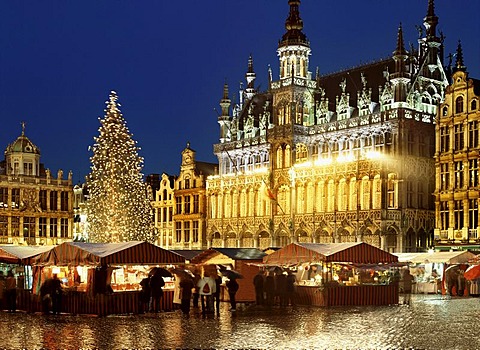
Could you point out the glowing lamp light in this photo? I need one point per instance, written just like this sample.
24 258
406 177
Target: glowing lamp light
56 270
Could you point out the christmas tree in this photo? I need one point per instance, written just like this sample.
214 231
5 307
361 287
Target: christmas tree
118 208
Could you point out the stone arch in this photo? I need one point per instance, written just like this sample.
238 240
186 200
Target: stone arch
282 236
370 237
230 239
410 241
302 236
390 244
323 236
345 236
263 239
247 240
422 239
216 239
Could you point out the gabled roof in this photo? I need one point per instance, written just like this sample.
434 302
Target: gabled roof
356 252
17 254
134 252
457 257
231 253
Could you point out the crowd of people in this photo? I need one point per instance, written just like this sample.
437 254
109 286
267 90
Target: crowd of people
274 288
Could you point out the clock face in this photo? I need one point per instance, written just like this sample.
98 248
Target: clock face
188 159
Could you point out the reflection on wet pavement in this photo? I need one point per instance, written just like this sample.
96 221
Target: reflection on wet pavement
431 322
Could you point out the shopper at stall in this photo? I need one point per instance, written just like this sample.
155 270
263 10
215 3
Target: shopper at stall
269 289
56 294
258 283
206 287
156 291
2 288
186 287
232 286
11 291
145 294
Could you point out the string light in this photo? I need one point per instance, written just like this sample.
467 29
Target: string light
118 209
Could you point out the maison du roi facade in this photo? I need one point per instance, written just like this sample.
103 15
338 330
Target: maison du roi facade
35 207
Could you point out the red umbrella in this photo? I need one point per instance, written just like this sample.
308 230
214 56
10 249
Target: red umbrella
472 273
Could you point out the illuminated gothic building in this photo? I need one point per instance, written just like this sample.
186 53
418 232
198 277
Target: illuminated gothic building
180 205
457 163
35 207
342 157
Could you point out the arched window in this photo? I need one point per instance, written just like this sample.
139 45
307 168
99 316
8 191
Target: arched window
459 105
445 111
473 106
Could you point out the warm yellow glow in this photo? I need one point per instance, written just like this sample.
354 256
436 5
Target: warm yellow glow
323 161
373 155
344 158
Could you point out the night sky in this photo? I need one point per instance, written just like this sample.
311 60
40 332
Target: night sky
168 61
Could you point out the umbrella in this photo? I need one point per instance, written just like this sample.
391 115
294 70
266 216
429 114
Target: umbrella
231 274
182 273
472 273
160 271
276 270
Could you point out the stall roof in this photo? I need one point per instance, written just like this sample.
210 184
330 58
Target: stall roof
20 254
357 252
187 254
458 257
134 252
231 253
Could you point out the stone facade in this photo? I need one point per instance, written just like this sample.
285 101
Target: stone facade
35 207
457 163
336 158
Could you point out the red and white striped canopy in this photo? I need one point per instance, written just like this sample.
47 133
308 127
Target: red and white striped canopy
19 254
357 252
135 252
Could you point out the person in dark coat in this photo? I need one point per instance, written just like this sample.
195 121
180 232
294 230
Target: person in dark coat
196 292
290 289
186 285
216 295
232 286
258 283
156 291
145 294
269 289
281 288
11 291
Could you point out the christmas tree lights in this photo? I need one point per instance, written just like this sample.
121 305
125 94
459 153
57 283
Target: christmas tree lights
118 208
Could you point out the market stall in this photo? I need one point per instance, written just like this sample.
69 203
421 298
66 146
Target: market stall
329 274
428 268
103 278
238 259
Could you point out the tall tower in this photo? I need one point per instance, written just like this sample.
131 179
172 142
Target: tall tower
224 118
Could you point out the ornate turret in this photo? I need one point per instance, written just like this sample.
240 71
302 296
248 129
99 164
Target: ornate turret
430 22
224 119
294 47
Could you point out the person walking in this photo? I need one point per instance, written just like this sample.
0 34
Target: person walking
196 290
258 283
281 288
407 286
186 287
156 291
11 291
206 288
232 286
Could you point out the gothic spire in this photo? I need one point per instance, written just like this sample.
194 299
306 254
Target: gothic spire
250 77
294 26
459 65
400 50
225 101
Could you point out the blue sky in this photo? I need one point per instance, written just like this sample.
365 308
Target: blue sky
168 60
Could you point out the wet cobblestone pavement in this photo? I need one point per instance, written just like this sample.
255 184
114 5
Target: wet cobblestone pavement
431 322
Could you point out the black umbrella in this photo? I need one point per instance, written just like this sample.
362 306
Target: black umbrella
231 274
159 271
182 273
